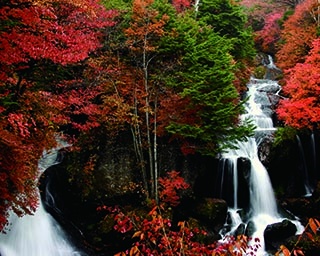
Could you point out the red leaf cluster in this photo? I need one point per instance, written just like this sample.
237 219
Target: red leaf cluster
57 30
298 32
302 107
181 5
170 186
38 40
270 34
153 233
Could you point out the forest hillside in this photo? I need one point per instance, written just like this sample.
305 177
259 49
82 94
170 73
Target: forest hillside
146 74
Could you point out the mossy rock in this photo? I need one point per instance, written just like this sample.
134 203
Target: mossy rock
260 72
212 211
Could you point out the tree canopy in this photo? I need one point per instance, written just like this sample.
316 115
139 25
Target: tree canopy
150 67
41 43
302 107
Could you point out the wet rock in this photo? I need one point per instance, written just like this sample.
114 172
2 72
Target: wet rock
212 211
275 233
304 207
244 169
240 230
264 150
250 229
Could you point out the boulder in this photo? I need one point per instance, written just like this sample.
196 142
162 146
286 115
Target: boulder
250 229
211 211
276 233
240 230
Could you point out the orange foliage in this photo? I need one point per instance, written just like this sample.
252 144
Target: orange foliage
146 28
297 35
311 230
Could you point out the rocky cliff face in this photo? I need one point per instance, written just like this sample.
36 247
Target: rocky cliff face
106 172
115 180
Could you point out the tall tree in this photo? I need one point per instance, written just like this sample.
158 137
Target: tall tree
228 19
176 75
145 30
205 82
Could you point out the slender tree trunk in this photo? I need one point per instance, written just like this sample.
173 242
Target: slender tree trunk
155 151
151 163
138 146
145 64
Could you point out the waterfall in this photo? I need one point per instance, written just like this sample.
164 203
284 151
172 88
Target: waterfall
262 199
304 167
38 234
307 165
313 154
263 208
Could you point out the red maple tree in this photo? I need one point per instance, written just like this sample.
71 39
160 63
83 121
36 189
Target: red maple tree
181 5
270 33
41 42
298 32
302 107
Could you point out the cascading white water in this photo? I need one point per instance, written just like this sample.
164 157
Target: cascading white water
263 207
38 234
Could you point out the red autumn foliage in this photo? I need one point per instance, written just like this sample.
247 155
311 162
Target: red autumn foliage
154 234
119 88
181 5
310 234
174 104
298 32
144 29
258 10
170 186
23 138
270 34
57 30
302 108
38 39
75 105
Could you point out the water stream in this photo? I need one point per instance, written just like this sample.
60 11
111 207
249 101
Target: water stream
263 208
38 234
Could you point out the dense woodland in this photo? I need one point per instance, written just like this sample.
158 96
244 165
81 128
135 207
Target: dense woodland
86 71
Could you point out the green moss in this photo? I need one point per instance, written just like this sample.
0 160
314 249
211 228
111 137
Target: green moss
259 72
